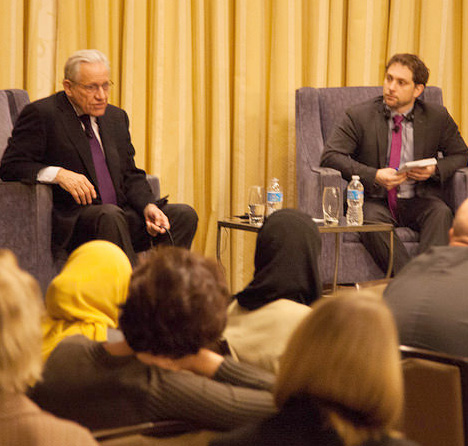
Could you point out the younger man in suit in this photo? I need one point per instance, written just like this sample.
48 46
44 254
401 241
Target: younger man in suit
378 136
81 145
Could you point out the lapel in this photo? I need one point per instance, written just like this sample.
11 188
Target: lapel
419 132
110 149
75 134
381 130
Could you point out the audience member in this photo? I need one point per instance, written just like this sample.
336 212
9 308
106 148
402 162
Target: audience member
340 380
21 421
85 297
429 297
162 370
286 281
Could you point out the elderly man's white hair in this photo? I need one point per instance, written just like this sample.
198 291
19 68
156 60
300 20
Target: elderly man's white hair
72 65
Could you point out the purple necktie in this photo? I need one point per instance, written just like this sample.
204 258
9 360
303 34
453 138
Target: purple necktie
105 185
394 162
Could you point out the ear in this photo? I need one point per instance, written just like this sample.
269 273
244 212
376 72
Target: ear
67 87
418 89
451 237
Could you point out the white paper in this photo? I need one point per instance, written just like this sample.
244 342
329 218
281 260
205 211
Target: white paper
418 163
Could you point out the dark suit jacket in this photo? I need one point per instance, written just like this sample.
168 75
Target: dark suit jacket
358 145
49 133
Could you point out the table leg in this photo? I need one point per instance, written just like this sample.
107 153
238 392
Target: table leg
337 259
218 244
390 255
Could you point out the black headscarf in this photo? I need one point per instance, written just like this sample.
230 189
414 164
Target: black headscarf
286 261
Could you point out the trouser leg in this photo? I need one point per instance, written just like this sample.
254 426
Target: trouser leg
104 222
182 218
378 243
431 217
184 221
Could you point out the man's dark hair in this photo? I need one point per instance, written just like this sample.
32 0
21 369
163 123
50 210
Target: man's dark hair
176 304
414 63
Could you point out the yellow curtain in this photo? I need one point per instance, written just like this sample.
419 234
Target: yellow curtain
209 85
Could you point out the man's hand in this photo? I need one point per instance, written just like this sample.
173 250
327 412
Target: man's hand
156 220
77 185
389 178
421 173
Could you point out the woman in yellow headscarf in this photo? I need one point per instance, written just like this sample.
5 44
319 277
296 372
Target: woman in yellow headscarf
85 297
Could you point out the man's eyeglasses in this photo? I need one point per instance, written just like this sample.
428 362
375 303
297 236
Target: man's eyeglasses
94 88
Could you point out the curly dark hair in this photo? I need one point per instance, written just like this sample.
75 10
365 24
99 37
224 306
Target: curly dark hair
414 63
176 304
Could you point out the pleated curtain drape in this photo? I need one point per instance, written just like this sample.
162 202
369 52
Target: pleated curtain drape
209 85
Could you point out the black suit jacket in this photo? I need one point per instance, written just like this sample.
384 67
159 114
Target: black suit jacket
358 145
49 133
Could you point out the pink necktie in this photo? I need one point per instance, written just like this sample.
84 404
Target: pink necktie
105 185
394 162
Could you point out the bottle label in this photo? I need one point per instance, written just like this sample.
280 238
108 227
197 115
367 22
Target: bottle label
274 197
355 194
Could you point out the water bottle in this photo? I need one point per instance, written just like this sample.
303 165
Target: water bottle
354 215
274 197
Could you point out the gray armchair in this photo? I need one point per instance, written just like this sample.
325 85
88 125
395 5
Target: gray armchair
317 111
26 210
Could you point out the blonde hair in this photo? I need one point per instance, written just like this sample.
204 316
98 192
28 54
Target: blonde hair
345 355
20 330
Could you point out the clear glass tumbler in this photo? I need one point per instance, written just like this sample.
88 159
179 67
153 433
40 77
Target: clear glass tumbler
256 205
331 205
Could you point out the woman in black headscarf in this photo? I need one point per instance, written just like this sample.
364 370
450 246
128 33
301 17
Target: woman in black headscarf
286 261
286 282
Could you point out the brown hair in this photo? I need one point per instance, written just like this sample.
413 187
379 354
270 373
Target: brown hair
176 304
414 63
345 354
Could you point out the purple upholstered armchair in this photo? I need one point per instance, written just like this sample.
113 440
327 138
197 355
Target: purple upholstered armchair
317 111
25 209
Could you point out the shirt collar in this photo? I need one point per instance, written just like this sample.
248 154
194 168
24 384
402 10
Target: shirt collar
389 114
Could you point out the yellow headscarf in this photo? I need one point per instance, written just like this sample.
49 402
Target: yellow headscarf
85 297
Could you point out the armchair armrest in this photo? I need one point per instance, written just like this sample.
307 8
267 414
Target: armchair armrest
26 227
311 185
457 192
155 186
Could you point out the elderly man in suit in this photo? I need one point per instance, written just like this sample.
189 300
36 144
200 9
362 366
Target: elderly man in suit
378 136
81 145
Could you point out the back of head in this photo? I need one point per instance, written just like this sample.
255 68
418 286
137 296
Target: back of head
415 65
92 284
176 304
286 261
459 231
345 355
85 297
72 65
20 331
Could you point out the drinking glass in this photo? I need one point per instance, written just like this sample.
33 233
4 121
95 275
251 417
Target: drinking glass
256 205
331 205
